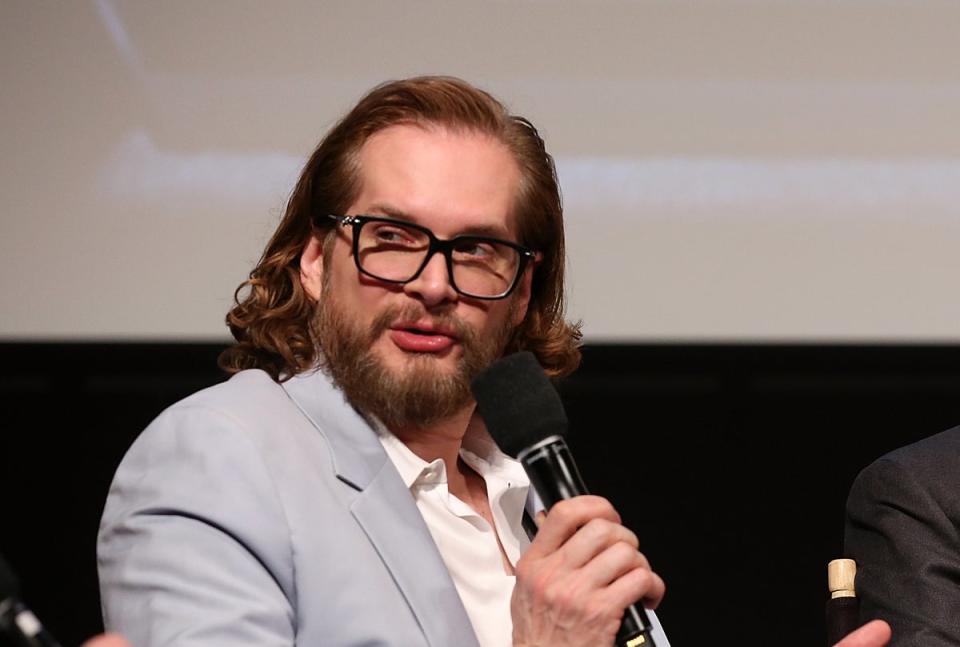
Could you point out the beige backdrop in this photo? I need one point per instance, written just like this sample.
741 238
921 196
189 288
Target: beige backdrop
770 170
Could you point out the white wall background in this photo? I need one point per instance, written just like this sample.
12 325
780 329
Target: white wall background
733 170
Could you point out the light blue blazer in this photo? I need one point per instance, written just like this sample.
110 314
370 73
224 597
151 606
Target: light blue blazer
253 513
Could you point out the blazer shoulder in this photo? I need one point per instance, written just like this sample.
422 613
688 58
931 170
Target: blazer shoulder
933 458
251 387
249 409
250 399
923 474
939 448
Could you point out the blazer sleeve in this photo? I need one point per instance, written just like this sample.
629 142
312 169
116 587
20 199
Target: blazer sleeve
193 546
902 530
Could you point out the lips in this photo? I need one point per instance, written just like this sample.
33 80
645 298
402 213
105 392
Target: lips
423 336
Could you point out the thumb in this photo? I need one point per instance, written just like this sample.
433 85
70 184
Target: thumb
873 634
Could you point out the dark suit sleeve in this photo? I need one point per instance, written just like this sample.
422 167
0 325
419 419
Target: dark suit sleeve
902 520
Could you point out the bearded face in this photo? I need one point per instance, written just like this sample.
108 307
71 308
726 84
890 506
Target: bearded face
415 395
406 352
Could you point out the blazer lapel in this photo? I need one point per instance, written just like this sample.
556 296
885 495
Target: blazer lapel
386 511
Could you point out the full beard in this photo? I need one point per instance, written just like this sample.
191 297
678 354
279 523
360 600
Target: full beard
416 395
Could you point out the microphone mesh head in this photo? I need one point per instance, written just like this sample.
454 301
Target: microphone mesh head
518 403
9 587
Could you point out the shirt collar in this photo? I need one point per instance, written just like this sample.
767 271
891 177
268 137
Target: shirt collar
478 450
412 468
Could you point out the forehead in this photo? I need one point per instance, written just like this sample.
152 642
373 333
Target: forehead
450 181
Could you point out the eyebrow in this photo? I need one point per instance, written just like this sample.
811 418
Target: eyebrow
474 230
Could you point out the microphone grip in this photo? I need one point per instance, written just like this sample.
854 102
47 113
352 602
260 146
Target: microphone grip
554 476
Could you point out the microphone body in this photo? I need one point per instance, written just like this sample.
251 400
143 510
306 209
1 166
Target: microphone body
555 477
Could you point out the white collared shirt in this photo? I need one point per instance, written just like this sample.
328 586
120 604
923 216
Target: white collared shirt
466 541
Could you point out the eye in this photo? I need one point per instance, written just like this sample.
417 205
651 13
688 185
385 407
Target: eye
470 248
393 234
478 250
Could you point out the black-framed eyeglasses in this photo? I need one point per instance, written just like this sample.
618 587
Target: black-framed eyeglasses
395 251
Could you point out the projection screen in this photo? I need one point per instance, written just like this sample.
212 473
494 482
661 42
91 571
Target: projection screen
779 170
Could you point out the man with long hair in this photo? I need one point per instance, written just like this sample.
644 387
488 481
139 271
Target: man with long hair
339 488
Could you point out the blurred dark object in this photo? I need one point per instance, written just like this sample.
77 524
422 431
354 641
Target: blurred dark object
843 607
18 625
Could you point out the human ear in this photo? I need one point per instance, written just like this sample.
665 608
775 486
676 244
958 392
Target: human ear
311 267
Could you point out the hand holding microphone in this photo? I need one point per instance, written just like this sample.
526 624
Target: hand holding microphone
580 573
579 580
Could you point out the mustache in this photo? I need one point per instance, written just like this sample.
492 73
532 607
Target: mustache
416 312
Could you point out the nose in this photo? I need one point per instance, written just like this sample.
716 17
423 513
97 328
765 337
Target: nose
432 285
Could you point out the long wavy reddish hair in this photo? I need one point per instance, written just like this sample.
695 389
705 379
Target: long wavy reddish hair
271 317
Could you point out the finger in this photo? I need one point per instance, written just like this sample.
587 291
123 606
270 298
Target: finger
593 539
872 634
565 518
613 563
639 585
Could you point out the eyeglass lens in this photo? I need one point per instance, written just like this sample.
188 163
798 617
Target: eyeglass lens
393 252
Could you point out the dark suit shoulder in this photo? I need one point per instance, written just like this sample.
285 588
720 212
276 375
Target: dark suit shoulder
939 450
903 515
928 468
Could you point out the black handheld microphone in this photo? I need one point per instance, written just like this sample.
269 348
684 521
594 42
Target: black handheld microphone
524 415
16 620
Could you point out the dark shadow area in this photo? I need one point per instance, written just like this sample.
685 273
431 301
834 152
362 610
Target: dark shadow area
732 463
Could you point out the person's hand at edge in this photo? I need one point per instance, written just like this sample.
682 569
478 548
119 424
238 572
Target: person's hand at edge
873 634
107 640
